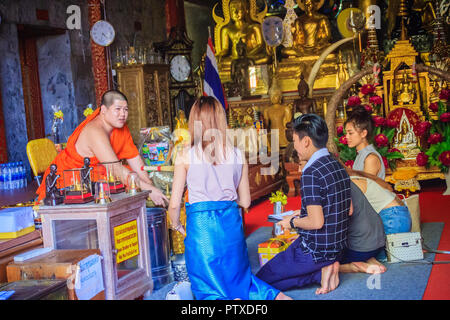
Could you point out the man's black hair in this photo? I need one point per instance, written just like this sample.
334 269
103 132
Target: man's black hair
111 95
313 126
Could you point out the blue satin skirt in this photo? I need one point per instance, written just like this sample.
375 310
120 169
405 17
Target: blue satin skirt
216 254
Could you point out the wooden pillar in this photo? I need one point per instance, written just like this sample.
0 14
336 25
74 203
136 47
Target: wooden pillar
174 15
3 147
99 62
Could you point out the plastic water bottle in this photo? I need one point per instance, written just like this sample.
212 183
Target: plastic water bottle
4 177
15 176
1 177
23 175
8 176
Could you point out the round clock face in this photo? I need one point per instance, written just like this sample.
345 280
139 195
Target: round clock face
103 33
180 68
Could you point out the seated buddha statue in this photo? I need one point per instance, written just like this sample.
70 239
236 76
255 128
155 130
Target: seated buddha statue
239 71
241 27
311 31
277 115
406 140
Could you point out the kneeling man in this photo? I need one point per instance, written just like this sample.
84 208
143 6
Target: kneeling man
323 218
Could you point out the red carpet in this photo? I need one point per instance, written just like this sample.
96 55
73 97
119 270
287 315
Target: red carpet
434 207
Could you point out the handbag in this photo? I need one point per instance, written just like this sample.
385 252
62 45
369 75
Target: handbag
404 246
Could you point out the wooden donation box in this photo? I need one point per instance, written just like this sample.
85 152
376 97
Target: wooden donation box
118 229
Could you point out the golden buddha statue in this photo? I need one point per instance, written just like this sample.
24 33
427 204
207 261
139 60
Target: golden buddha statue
406 140
311 31
243 26
406 92
277 115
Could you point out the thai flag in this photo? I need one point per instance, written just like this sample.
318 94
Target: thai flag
211 84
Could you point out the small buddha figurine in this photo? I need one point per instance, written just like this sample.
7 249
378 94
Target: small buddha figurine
405 93
53 197
405 139
303 104
239 71
311 31
241 27
277 115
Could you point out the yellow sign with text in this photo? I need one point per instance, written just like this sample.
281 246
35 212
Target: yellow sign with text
126 241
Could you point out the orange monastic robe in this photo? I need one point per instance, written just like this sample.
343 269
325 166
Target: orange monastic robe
121 142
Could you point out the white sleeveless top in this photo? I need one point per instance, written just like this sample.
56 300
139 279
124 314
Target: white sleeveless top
208 182
377 196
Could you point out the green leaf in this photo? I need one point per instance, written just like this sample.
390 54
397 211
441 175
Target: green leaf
390 134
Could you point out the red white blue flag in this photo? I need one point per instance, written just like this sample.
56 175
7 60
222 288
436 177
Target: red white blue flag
212 86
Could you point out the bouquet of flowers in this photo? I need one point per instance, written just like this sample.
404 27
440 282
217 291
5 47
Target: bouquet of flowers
88 111
279 196
438 132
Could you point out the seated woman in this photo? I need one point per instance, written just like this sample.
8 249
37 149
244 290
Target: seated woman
359 129
394 214
366 238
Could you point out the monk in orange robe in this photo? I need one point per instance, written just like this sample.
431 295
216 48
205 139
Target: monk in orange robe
104 137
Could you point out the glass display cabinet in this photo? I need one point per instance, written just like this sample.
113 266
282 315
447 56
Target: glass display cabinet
108 171
118 228
77 186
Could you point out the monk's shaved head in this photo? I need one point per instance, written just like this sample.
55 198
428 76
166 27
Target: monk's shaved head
110 96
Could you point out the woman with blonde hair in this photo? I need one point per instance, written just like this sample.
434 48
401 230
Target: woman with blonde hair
217 181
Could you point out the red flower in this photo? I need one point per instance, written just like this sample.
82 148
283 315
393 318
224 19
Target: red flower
444 157
445 117
368 108
423 127
393 150
434 107
340 130
445 94
376 100
435 138
367 89
349 163
421 159
379 121
343 140
353 101
392 123
381 140
385 161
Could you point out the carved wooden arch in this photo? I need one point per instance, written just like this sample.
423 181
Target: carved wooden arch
330 117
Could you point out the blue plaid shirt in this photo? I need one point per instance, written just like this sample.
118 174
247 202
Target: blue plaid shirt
325 182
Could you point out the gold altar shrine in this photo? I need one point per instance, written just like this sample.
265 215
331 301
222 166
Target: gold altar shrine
407 94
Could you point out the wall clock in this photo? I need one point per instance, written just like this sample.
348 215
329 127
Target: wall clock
180 68
102 33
